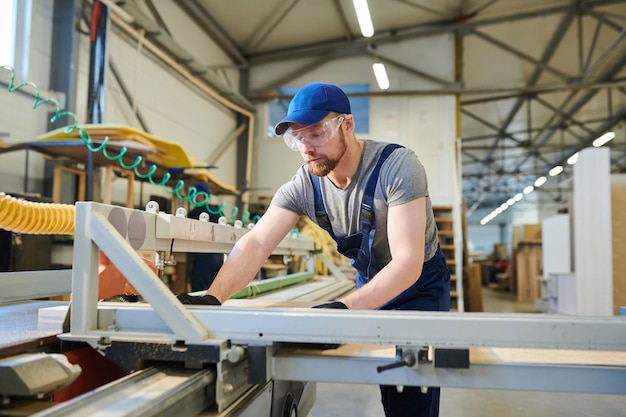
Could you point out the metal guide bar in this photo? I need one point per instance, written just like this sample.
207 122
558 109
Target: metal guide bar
518 376
416 328
400 328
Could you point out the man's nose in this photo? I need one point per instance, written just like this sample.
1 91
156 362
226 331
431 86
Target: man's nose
306 146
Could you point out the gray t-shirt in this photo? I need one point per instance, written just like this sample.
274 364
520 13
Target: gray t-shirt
402 179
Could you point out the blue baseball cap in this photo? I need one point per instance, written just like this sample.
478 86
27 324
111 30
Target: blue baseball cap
312 103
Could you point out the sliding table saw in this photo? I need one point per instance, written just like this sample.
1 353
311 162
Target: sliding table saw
259 357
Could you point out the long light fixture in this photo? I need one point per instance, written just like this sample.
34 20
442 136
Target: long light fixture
572 159
608 136
540 181
365 19
381 75
555 171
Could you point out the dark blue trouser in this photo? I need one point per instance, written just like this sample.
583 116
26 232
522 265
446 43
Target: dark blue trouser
410 402
430 293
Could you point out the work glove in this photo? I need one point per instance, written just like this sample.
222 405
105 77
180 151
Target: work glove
203 300
333 304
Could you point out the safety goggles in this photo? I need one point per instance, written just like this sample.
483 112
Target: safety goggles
314 135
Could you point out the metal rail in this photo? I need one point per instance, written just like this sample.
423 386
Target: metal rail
153 391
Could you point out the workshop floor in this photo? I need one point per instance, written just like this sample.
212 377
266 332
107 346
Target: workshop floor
345 400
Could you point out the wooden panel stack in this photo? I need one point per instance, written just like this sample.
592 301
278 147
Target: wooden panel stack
445 225
472 288
618 218
529 266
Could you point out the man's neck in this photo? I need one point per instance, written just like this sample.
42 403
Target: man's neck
345 170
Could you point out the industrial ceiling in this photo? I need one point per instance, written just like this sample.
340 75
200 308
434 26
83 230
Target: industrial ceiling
537 80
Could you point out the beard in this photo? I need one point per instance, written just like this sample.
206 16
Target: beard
325 164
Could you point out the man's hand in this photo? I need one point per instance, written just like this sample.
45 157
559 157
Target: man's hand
205 300
333 304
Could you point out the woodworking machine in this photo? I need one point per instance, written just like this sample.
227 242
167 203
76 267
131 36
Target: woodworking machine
247 358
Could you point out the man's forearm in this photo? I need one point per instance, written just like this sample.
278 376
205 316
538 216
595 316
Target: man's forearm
241 266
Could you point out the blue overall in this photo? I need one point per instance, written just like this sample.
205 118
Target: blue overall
431 292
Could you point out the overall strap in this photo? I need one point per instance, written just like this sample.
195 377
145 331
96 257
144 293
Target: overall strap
367 214
320 210
368 227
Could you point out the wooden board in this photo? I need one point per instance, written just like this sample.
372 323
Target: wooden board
160 152
547 356
170 154
485 356
528 264
618 215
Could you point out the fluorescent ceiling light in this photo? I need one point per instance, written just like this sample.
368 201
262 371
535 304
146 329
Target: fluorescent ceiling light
540 181
572 159
518 196
381 75
510 201
555 171
504 206
364 18
608 136
529 189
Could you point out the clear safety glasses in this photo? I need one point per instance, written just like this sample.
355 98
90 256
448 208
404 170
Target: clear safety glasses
314 135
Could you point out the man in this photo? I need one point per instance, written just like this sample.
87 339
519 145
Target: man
392 239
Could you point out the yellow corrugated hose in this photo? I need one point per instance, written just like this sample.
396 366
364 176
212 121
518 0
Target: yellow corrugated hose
22 216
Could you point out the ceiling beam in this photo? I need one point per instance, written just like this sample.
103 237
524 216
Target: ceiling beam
450 25
270 23
205 21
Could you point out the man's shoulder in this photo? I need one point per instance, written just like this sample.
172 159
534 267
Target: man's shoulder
372 150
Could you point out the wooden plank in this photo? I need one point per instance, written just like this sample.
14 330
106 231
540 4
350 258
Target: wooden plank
484 355
474 289
618 217
522 276
546 356
528 264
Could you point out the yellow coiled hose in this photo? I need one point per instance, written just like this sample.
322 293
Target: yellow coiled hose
22 216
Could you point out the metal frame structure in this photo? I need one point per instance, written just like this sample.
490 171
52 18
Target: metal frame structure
28 285
120 232
265 338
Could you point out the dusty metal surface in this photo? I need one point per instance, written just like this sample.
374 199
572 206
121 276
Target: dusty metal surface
19 324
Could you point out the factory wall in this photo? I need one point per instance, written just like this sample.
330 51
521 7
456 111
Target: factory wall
173 110
17 116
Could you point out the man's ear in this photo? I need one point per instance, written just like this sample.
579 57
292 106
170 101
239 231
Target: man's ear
348 123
